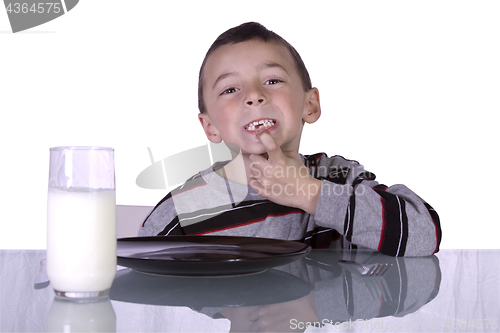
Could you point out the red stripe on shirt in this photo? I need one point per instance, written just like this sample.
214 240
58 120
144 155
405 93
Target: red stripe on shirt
384 217
188 189
384 222
246 223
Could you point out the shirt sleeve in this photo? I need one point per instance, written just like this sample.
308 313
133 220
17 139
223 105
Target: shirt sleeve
162 220
391 219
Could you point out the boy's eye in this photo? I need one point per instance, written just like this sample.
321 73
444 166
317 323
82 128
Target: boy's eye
273 81
230 91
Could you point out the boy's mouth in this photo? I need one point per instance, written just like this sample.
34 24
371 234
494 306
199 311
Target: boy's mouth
260 125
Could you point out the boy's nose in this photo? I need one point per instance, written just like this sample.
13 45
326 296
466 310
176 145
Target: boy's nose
255 95
255 98
258 101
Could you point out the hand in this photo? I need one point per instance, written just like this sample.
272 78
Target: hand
283 178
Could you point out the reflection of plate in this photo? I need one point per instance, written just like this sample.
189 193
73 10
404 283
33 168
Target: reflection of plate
269 287
206 255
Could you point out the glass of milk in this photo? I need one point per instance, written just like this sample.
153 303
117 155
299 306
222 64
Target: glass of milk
81 221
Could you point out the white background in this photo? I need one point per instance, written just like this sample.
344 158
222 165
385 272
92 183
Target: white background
408 88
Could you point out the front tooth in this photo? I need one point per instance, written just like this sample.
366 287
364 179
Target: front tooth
255 123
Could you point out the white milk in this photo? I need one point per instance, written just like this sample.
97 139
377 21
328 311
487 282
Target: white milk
81 240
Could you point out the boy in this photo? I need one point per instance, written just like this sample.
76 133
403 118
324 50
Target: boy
255 94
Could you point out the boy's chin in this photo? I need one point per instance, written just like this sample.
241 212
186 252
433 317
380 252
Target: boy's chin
249 150
235 150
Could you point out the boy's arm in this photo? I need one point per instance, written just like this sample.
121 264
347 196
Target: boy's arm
392 220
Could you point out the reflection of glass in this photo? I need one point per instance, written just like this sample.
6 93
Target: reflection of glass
81 316
81 221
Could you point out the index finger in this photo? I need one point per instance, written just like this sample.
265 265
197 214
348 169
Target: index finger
272 148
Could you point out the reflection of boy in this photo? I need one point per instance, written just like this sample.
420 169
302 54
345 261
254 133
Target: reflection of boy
255 95
341 297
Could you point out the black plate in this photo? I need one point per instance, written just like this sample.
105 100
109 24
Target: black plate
206 255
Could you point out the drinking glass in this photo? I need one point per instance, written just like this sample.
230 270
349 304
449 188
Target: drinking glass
81 221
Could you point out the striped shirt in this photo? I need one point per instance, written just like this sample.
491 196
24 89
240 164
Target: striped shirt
352 208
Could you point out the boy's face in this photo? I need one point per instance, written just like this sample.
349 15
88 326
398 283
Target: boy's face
250 82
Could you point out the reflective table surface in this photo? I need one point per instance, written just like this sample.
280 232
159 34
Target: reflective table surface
453 291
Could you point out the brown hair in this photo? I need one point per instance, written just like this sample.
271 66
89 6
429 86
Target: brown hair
245 32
